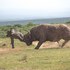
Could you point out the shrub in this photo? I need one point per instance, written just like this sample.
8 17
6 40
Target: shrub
17 25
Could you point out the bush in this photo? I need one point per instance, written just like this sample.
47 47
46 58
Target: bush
68 22
2 34
17 25
30 24
23 28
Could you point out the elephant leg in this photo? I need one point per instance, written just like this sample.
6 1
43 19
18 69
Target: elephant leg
64 43
12 42
38 45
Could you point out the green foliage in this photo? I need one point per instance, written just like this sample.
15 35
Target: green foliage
30 24
27 58
68 22
2 34
23 28
17 25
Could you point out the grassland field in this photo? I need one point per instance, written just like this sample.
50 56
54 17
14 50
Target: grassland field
49 57
24 57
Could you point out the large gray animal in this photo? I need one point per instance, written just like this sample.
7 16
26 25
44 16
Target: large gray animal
14 34
44 33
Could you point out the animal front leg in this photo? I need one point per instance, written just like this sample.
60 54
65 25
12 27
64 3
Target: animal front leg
12 42
38 45
64 43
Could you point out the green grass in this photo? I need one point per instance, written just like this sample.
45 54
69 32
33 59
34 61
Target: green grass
27 58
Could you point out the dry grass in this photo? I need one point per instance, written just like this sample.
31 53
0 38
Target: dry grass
27 58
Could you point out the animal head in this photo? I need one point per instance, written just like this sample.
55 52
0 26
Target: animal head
10 32
27 39
15 34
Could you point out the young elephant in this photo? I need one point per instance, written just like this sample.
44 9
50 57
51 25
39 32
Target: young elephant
14 34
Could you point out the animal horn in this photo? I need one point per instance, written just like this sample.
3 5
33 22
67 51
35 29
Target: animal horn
13 31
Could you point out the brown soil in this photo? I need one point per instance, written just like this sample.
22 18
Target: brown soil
7 50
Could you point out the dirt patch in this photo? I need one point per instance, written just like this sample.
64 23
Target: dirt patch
7 50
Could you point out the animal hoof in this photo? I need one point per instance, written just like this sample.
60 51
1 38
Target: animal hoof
36 48
12 47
